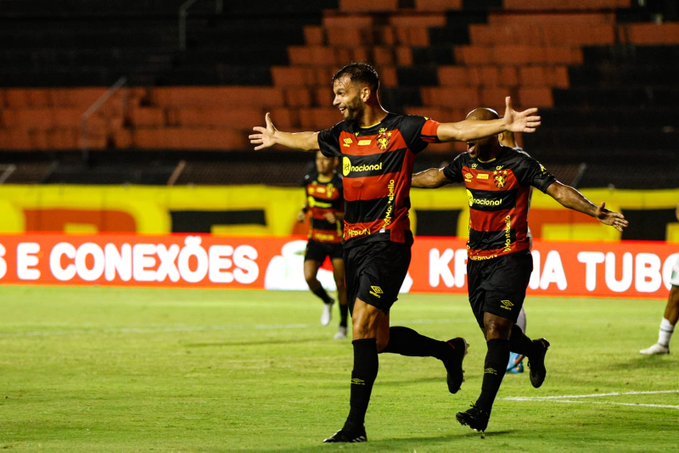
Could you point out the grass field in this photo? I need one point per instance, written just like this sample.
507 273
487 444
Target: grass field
95 369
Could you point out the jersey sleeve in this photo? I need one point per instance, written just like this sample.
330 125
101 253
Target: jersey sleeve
533 173
453 171
328 141
419 131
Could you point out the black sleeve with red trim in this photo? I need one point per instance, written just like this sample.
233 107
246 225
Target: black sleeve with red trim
418 132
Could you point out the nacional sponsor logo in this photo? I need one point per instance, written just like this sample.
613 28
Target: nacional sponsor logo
481 201
482 176
364 142
348 168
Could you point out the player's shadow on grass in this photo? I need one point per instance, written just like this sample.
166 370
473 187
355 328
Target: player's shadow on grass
408 443
645 363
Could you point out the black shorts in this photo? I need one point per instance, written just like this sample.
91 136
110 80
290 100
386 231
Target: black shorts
318 251
498 285
375 272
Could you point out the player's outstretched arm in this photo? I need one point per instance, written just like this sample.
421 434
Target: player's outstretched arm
268 136
572 199
525 121
429 179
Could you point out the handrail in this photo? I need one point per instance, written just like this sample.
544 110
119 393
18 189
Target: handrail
91 110
182 14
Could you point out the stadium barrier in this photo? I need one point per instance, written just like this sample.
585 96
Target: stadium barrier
626 269
258 210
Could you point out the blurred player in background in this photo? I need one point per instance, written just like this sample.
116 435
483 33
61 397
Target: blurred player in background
325 208
498 181
670 317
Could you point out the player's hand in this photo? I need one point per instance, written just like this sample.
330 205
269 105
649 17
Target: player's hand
614 219
524 121
330 217
301 216
264 136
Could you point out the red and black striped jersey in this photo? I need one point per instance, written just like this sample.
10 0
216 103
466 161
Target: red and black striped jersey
498 192
321 199
377 163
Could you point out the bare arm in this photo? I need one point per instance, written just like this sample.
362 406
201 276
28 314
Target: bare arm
572 199
268 136
513 121
429 179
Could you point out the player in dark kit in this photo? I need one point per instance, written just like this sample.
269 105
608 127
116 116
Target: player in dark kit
498 181
377 150
325 208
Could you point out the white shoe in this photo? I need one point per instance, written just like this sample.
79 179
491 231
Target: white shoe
341 333
326 316
656 349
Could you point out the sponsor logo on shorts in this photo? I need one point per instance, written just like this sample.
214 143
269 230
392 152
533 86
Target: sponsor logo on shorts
507 304
376 291
357 232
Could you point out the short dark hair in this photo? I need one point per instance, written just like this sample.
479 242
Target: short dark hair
360 72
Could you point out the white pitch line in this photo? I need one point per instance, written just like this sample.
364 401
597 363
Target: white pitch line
611 403
591 395
579 399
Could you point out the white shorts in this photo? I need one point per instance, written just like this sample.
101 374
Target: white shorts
674 279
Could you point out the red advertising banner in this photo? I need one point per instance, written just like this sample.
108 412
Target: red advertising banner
629 269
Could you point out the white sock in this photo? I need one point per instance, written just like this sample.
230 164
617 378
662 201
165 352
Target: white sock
665 333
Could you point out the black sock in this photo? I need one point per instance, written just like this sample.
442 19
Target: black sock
344 314
322 294
363 377
519 342
406 341
494 370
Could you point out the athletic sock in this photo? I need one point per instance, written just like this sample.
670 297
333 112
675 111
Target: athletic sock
406 341
363 377
494 370
519 342
665 332
344 314
322 294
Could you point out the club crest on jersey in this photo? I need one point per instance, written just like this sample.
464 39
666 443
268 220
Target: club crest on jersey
500 178
383 138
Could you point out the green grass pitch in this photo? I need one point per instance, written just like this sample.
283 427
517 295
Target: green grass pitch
100 369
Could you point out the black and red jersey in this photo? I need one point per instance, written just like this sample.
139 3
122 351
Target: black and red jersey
377 164
324 197
498 192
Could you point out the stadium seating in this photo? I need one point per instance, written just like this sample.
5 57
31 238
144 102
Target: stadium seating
602 71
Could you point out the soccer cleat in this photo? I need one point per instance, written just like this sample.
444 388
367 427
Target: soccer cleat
515 365
453 363
656 349
341 333
536 362
326 316
474 417
346 436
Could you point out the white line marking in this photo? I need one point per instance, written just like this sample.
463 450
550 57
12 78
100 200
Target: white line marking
579 399
591 395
